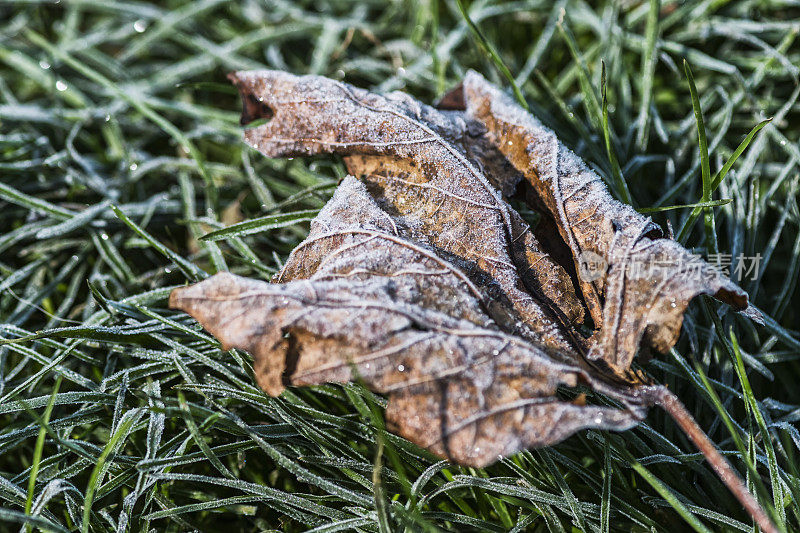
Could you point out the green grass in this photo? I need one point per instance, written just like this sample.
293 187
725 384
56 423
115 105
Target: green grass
120 150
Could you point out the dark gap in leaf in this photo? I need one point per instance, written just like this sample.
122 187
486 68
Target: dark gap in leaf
254 109
453 100
292 356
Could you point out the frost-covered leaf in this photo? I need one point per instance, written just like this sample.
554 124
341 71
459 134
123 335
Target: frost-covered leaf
419 278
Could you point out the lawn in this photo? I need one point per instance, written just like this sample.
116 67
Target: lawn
120 147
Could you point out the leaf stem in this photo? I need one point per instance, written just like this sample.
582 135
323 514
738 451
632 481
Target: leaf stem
662 397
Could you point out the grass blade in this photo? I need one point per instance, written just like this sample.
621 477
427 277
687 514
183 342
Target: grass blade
648 69
687 225
487 47
37 453
257 225
698 206
766 437
190 270
705 167
619 181
669 496
117 438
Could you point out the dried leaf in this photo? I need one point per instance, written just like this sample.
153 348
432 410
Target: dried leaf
420 279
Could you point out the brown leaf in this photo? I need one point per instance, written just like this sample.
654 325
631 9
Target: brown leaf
420 279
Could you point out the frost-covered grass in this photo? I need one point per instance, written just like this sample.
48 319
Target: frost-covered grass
120 147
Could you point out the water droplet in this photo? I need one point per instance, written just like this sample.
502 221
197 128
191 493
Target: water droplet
401 71
598 419
673 304
134 166
44 64
366 366
104 236
783 142
168 270
107 118
140 26
401 368
61 86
